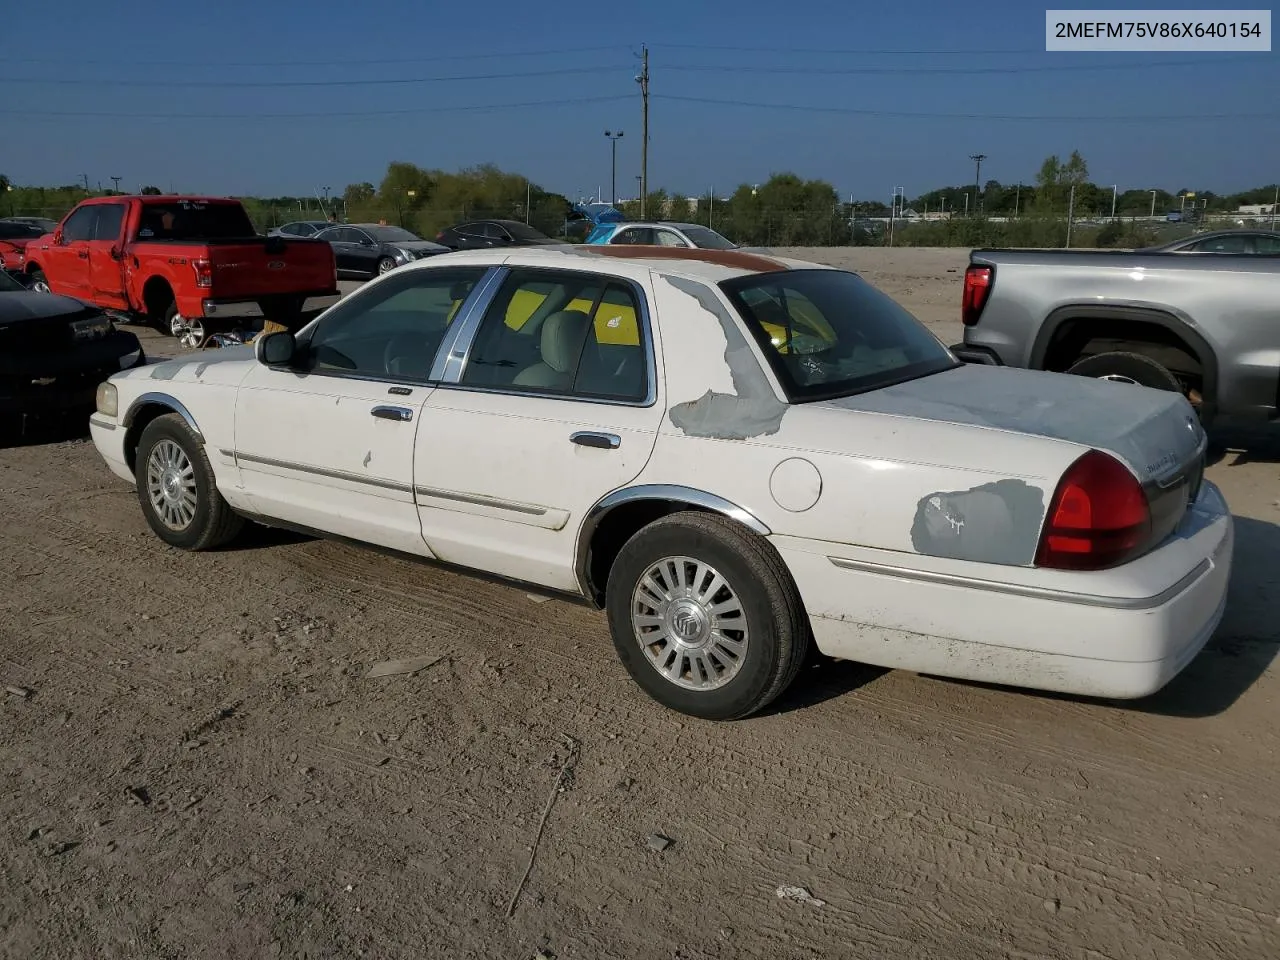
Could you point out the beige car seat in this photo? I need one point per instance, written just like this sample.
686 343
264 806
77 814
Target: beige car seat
563 335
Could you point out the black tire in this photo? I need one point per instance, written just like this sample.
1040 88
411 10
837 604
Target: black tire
1140 369
778 630
212 522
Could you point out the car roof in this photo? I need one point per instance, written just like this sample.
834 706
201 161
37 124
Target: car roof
678 224
632 261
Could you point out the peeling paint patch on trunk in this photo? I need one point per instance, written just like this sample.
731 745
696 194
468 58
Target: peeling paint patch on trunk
753 409
993 523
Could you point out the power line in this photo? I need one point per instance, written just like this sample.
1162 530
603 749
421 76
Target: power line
248 84
321 115
858 71
323 60
912 115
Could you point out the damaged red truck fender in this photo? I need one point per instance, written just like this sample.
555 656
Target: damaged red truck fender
183 264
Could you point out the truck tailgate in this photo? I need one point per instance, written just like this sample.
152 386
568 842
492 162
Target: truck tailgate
270 266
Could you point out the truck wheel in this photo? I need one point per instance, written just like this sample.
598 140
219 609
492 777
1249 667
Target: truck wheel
177 490
188 331
39 282
705 616
1127 368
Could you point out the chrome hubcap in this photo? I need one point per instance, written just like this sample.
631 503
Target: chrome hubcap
190 333
171 485
689 623
386 266
1116 378
41 286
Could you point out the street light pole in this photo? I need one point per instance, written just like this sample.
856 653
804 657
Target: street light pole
613 174
1153 204
1113 201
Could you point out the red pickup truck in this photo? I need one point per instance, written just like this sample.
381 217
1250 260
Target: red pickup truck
184 264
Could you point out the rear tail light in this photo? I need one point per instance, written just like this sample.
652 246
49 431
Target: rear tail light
1099 516
204 272
977 286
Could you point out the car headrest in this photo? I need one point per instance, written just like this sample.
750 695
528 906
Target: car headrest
562 336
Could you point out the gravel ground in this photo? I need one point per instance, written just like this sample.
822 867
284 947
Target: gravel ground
196 764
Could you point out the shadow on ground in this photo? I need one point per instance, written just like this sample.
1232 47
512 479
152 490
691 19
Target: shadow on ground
1241 650
1236 446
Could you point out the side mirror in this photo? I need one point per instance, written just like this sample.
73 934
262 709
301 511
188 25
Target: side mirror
117 253
275 349
366 242
57 236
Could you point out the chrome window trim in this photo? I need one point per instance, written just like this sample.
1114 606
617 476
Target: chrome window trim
320 471
448 361
651 491
460 351
164 400
1023 590
305 335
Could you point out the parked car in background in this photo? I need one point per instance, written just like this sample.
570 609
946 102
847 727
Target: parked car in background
44 224
1202 326
1260 242
54 351
14 237
363 250
661 234
734 455
300 228
184 264
486 234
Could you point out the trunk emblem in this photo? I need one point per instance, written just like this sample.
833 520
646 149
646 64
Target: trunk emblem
275 265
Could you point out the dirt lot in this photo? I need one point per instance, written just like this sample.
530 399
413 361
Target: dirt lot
202 768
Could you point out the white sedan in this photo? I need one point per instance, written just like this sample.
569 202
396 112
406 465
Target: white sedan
735 456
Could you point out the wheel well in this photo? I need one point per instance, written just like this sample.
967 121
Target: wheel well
133 434
32 266
1077 338
156 297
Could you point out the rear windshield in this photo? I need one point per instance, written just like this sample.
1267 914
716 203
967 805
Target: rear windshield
194 220
708 239
828 333
392 234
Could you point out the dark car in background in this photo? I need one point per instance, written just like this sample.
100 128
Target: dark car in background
54 351
44 224
365 250
485 234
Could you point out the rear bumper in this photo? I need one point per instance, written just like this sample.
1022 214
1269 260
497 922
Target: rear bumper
252 309
970 353
1122 647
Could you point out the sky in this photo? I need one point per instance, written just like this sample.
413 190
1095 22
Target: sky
291 96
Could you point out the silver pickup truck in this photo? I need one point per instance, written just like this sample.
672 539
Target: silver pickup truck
1207 325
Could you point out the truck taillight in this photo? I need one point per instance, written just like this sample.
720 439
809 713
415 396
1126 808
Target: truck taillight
1099 516
204 272
977 286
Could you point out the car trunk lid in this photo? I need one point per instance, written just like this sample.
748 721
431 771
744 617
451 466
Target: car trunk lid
1154 432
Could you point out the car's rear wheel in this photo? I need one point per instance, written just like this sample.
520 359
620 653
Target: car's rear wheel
188 331
177 490
705 616
39 282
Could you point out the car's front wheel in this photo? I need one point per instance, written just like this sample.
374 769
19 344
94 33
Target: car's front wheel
705 616
386 265
177 490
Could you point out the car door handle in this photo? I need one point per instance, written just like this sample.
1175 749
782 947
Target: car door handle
402 414
588 438
82 254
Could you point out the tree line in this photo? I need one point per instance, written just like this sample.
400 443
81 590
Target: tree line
785 210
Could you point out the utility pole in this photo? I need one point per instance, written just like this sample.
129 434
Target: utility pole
1017 199
1071 212
116 183
977 158
85 177
1274 200
1113 200
1153 204
643 80
528 198
613 170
